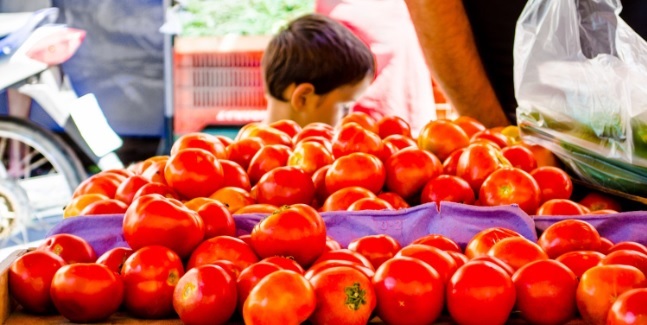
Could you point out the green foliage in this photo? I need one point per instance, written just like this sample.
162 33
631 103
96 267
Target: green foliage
241 17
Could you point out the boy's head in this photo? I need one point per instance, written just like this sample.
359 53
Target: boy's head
312 67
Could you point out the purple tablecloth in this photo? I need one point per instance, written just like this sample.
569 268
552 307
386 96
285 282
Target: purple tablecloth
457 221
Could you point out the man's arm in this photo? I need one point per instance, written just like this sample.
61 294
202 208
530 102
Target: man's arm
446 39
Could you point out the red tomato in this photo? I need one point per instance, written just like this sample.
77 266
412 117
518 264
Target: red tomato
316 268
267 158
393 125
193 173
438 241
356 169
395 200
150 275
325 142
246 130
234 198
388 150
297 231
580 261
229 267
155 220
409 170
626 257
447 188
30 277
247 239
546 292
476 163
331 244
459 258
509 185
354 138
282 297
601 285
271 136
376 248
520 157
154 173
342 199
257 208
72 248
234 175
342 283
107 206
285 263
127 189
200 140
597 201
78 203
242 151
517 252
629 308
442 137
370 204
503 265
361 118
481 243
605 246
450 164
156 188
315 130
629 245
569 235
289 127
345 255
400 141
469 124
205 295
285 186
223 248
102 183
226 141
560 207
490 135
408 291
319 181
480 293
554 183
310 156
250 277
86 292
217 220
438 259
115 258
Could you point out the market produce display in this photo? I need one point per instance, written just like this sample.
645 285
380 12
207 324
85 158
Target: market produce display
186 256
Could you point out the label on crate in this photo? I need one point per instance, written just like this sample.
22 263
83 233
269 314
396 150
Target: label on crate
238 115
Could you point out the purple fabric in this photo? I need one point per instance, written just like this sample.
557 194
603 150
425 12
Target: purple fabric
457 221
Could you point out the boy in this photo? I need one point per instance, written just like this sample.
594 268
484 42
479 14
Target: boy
312 68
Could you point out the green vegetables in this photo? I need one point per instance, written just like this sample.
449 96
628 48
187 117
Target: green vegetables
240 17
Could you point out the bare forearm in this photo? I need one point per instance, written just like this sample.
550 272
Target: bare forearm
446 38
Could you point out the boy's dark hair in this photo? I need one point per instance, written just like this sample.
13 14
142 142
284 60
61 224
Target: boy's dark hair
317 50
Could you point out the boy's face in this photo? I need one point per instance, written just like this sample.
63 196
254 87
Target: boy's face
330 107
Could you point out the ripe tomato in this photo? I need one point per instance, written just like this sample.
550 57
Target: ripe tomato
30 277
393 125
629 245
352 137
257 208
400 141
150 275
102 183
408 291
560 207
370 204
72 248
223 248
271 136
194 173
86 292
459 258
205 295
409 170
517 252
319 181
601 285
447 188
310 156
438 241
154 171
289 127
314 130
250 277
569 235
332 244
626 257
156 188
342 283
438 259
356 169
395 200
316 268
200 140
297 231
442 137
476 163
342 199
234 198
509 185
361 118
580 261
229 267
520 157
503 265
285 263
234 175
127 189
285 186
376 248
242 151
480 293
325 142
266 159
629 308
217 220
115 258
469 124
282 297
554 183
490 135
345 255
107 206
546 292
226 141
481 243
450 164
155 220
597 201
78 203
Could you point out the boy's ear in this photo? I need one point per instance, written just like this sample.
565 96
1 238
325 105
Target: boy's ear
303 97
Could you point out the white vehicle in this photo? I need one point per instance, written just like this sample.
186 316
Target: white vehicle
38 169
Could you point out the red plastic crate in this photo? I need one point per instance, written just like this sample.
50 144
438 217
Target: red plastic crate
217 81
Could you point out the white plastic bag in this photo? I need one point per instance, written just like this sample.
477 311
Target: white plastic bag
580 78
